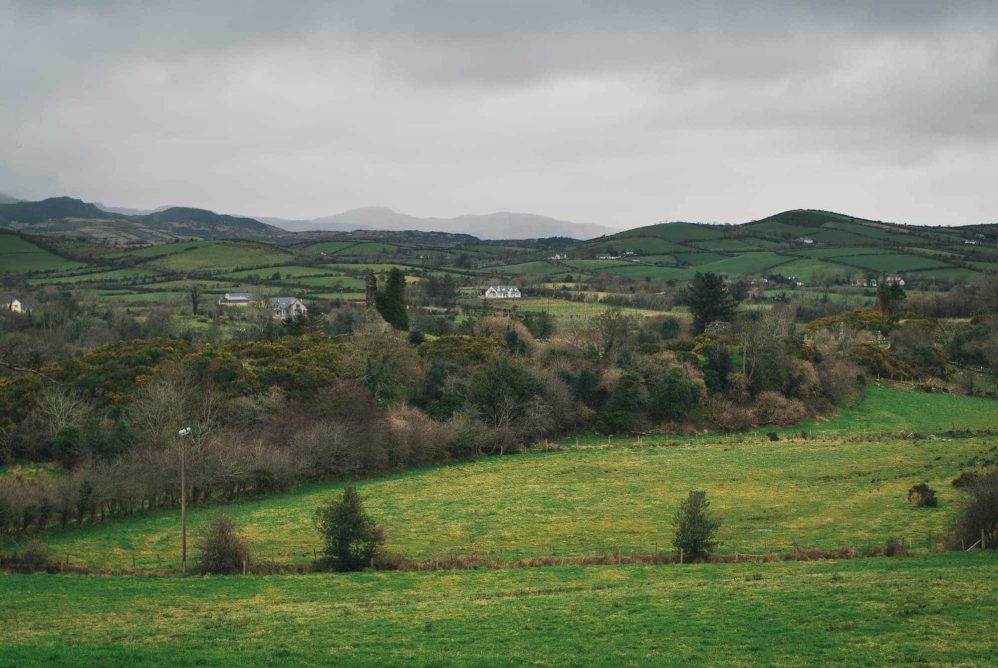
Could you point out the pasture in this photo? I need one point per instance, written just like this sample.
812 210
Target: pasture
620 493
929 609
19 256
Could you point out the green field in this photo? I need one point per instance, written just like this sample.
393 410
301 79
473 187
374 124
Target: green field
653 273
222 255
887 262
19 256
889 409
807 269
621 493
926 609
673 232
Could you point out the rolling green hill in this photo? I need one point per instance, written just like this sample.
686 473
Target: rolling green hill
804 244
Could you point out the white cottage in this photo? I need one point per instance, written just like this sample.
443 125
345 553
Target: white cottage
286 307
502 292
15 305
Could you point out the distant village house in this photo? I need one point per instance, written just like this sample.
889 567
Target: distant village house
239 299
15 305
502 292
286 307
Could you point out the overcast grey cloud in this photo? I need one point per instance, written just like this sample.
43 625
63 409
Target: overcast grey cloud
620 113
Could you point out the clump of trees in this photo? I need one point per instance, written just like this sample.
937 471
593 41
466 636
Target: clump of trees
695 527
351 538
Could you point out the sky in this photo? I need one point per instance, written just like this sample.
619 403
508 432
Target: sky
622 113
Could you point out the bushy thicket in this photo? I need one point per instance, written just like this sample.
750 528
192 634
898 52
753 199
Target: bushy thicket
220 548
299 405
978 517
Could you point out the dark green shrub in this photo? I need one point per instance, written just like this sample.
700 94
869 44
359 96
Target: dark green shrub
351 539
923 496
695 527
622 411
33 557
673 397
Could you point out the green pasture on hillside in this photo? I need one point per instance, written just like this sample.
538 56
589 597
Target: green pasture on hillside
223 255
746 263
19 256
807 269
673 232
888 262
699 257
935 609
737 244
886 409
650 272
606 495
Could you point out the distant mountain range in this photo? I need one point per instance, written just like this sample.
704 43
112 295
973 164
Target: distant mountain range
68 216
501 225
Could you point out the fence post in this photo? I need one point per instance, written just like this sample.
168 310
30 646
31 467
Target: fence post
680 555
244 567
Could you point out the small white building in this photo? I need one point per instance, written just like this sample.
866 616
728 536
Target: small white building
502 292
559 256
15 305
239 299
286 307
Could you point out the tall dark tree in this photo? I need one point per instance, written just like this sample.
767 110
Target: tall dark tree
889 298
695 527
622 411
709 301
350 537
391 300
195 298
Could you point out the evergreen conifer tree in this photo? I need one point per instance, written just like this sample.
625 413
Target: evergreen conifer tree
391 301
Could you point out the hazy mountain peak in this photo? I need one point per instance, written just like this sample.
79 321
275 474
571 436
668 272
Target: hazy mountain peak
498 225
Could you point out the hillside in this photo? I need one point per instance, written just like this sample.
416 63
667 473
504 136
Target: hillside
501 225
801 245
7 199
67 216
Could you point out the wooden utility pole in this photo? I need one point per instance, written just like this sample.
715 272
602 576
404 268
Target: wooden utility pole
183 497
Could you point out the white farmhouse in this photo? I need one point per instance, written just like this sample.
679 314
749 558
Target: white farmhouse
15 305
286 307
502 292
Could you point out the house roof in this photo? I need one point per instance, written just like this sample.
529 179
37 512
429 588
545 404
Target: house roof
283 302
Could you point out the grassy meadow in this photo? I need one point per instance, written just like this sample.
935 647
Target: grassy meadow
827 491
928 609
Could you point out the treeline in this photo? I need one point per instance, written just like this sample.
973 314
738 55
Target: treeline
350 395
